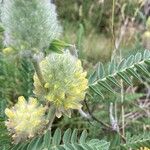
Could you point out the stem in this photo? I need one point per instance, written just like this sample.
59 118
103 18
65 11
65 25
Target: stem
122 109
38 70
51 116
52 111
94 118
112 22
122 101
116 48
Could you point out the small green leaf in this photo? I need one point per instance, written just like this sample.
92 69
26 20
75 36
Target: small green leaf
56 137
24 146
106 86
112 67
133 73
113 80
93 77
83 137
138 57
124 77
67 136
77 146
86 146
146 54
147 62
74 138
134 96
47 139
95 89
100 71
17 146
68 146
33 144
122 65
130 61
58 46
142 69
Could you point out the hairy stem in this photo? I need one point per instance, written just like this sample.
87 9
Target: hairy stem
38 70
51 116
52 110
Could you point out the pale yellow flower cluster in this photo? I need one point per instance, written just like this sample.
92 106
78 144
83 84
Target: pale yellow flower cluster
25 119
65 82
64 88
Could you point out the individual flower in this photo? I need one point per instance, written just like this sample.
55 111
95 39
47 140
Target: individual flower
65 82
8 51
25 119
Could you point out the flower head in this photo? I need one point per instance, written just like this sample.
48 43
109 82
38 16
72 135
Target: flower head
25 119
29 24
65 82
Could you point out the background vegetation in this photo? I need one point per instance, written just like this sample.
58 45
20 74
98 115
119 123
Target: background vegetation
95 26
103 31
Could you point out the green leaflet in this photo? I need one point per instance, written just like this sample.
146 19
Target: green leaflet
137 141
58 46
135 66
68 141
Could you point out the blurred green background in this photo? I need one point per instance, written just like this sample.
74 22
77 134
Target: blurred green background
88 24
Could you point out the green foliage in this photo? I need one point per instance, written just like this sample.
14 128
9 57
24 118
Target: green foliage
131 97
1 1
1 37
33 25
96 14
29 24
80 40
67 141
134 65
137 141
58 46
16 78
5 140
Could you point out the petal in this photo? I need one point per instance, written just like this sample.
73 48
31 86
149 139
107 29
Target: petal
9 113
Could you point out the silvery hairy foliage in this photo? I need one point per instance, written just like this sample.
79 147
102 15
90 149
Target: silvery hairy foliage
29 24
1 1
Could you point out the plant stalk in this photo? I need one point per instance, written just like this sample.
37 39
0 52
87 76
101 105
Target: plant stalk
122 109
51 116
38 70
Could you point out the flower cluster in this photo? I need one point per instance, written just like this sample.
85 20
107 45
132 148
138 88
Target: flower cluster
32 26
65 82
25 119
29 25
